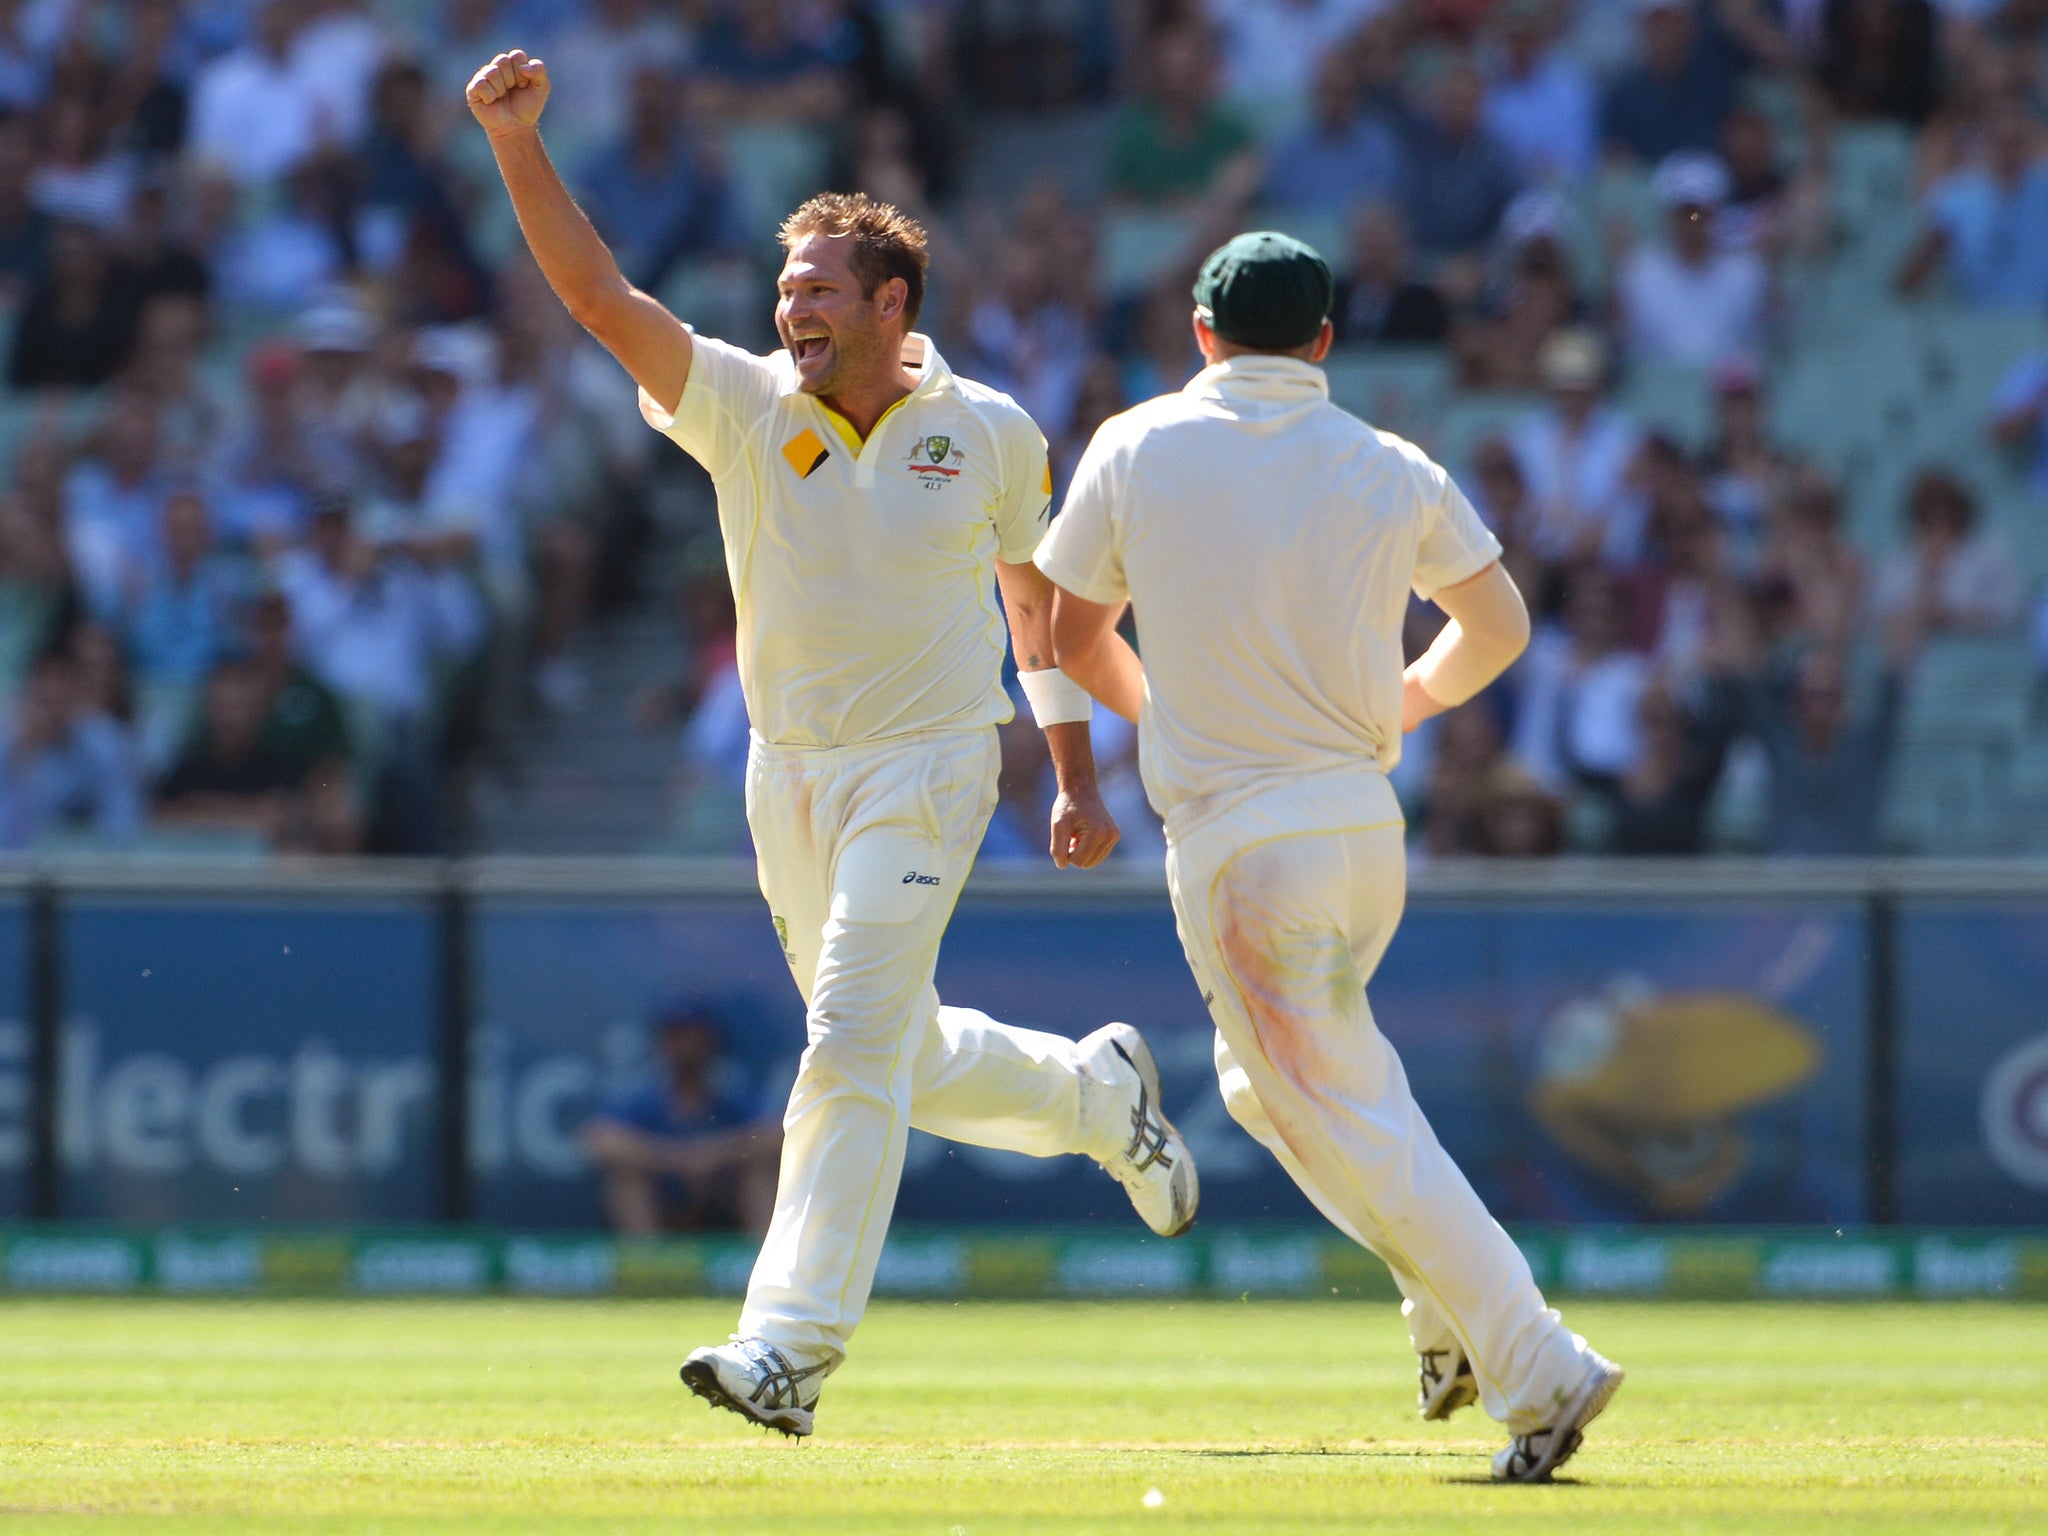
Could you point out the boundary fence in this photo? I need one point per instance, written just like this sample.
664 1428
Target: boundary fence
1907 919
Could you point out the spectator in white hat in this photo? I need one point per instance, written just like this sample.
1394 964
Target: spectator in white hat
336 397
1688 301
1574 454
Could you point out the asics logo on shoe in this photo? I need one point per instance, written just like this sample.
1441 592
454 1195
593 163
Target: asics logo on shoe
1151 1161
914 878
1446 1382
757 1381
780 1382
1148 1131
1432 1373
1533 1457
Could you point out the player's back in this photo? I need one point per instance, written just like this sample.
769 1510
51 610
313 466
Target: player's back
1269 541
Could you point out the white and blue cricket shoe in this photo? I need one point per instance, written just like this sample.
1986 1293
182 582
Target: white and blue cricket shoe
1153 1164
757 1381
1445 1382
1533 1457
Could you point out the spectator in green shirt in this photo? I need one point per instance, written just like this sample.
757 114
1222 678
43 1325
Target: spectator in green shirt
1174 141
302 720
303 724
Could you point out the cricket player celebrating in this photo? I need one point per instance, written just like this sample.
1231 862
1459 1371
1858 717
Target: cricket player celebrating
1267 542
865 494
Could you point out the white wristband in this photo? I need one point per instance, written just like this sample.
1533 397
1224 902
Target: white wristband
1055 698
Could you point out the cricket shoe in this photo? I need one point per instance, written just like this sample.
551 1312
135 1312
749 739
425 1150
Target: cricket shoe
1533 1457
1446 1382
1154 1165
757 1381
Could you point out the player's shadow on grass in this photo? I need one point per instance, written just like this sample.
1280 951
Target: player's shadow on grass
1382 1453
1360 1453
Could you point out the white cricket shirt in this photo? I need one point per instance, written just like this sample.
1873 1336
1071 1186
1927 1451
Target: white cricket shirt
863 573
1267 541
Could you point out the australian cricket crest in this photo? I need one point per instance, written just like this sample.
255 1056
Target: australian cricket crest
935 459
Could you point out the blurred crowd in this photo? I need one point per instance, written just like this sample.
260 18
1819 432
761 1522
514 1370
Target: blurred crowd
310 492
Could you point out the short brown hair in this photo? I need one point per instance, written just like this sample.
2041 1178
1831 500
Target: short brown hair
887 242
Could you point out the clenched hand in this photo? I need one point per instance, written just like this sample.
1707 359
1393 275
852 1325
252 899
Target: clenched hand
1083 831
509 92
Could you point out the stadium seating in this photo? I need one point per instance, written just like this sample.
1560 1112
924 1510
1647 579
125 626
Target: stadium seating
2026 809
1139 245
784 164
1969 691
1964 726
1469 420
1677 402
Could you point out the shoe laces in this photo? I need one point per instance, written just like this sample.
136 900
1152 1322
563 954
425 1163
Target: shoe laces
777 1378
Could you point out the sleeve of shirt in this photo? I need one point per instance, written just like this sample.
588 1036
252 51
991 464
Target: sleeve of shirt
1455 545
1079 552
729 390
1025 506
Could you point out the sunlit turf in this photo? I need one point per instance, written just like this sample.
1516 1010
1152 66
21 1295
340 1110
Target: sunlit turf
986 1418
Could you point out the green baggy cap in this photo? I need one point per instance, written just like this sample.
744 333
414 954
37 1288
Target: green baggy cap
1265 290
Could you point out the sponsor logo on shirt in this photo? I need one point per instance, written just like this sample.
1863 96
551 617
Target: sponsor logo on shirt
805 453
914 878
935 460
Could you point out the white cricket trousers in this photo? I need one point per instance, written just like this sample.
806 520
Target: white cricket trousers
1285 904
862 852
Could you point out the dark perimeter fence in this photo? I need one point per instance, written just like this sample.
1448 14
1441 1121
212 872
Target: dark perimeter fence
1727 1078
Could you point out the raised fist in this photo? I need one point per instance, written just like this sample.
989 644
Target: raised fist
508 92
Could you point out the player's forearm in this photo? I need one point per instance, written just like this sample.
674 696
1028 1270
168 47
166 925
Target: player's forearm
1110 670
1488 629
1073 756
650 343
1460 665
576 263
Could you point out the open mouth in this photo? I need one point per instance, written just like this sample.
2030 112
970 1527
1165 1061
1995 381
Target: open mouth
809 349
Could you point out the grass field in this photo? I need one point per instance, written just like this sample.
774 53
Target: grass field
986 1418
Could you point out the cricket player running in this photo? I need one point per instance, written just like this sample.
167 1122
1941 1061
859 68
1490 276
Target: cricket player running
1266 542
865 493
